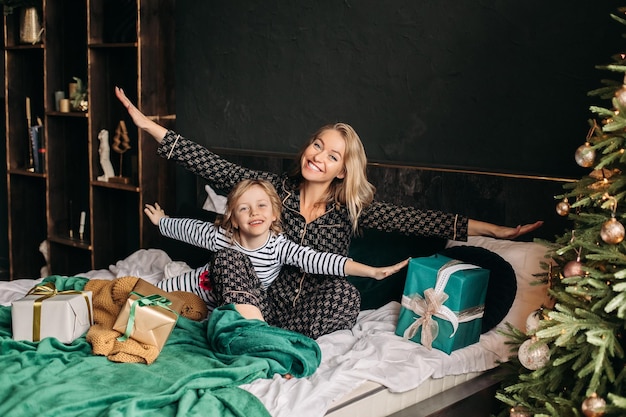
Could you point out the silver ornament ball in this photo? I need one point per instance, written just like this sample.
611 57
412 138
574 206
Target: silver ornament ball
532 322
533 355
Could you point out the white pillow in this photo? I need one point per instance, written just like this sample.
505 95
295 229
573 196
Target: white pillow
214 202
525 258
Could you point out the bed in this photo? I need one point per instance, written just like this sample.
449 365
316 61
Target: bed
366 370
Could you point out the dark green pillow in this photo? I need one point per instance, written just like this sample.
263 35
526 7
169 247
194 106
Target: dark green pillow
378 248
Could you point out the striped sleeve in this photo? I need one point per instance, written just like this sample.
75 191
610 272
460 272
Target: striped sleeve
194 232
310 260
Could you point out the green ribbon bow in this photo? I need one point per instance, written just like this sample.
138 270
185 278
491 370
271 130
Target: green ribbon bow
143 301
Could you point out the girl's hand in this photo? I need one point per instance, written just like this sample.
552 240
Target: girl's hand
154 213
383 272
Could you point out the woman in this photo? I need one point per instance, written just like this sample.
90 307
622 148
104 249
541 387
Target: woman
325 201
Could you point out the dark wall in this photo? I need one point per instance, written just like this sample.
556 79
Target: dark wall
482 84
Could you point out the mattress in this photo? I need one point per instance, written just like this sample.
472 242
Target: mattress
374 400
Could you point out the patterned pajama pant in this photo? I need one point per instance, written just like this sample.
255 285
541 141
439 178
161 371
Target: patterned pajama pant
313 305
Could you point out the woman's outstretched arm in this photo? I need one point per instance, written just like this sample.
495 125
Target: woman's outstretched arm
141 121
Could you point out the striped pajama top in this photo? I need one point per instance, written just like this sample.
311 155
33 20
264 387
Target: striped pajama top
267 260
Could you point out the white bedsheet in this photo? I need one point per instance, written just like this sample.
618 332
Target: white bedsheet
371 351
368 351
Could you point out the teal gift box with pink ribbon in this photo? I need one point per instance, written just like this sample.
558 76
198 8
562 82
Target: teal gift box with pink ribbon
443 303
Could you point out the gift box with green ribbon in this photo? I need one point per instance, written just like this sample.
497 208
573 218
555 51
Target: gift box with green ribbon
442 303
47 312
147 319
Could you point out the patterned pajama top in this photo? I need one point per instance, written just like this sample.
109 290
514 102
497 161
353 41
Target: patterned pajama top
308 303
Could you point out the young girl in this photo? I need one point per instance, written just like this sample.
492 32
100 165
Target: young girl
325 200
250 225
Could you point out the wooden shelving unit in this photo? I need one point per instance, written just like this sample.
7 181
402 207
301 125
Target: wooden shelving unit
105 43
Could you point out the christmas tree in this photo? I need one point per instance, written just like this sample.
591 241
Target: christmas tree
571 358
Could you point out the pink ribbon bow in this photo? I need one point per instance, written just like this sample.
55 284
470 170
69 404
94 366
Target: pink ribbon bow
431 305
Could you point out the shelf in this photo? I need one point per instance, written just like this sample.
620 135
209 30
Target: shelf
113 45
104 43
75 243
24 47
78 114
116 186
26 173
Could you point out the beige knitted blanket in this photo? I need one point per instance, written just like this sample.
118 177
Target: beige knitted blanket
108 298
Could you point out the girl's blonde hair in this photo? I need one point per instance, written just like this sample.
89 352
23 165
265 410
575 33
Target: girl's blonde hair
226 220
354 190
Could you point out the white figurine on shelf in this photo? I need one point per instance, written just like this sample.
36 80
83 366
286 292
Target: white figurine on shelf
105 156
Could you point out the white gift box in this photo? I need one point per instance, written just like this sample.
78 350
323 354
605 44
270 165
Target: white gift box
65 316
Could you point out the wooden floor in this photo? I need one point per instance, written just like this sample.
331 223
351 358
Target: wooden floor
475 398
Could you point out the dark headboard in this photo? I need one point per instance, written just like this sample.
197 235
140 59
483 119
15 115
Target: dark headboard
493 197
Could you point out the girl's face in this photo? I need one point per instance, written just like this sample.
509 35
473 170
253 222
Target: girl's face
253 214
323 160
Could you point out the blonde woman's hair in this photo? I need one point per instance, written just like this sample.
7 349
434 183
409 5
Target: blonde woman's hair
226 220
354 190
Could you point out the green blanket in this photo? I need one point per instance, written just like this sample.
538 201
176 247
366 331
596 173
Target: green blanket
196 374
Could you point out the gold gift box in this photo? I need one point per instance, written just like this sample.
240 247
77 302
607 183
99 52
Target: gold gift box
144 287
153 323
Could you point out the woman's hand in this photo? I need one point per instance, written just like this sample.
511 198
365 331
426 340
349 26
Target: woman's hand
154 213
478 228
139 119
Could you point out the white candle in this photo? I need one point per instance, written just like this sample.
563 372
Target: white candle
81 226
28 110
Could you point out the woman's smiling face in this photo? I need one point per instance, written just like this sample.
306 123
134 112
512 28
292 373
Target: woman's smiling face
323 159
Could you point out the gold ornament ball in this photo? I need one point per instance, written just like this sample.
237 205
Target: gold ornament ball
612 231
593 406
585 155
519 411
620 95
533 355
562 208
573 269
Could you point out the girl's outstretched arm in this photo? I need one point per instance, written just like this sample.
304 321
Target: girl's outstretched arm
358 269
